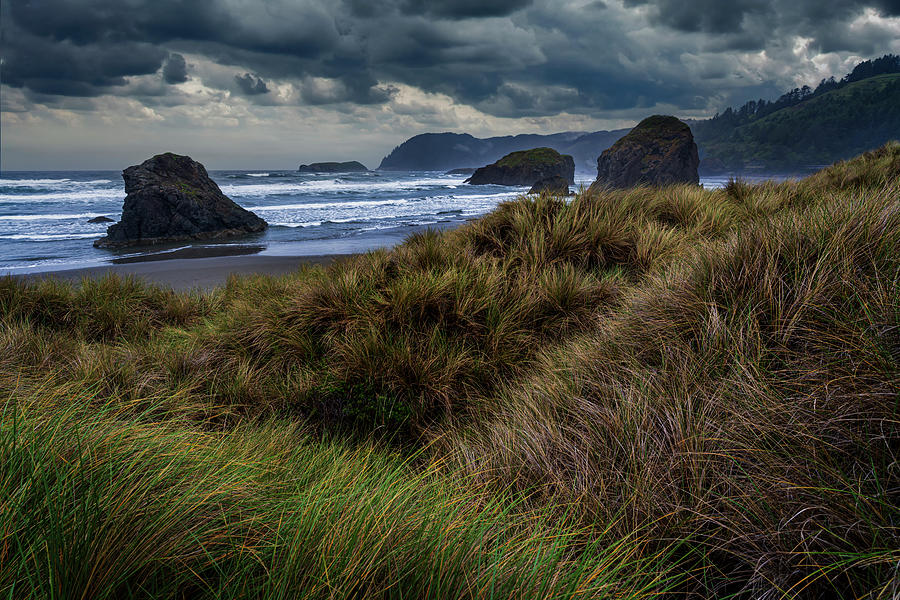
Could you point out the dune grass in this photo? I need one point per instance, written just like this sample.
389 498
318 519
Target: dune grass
109 503
634 393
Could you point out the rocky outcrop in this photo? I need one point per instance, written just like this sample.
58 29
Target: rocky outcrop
526 167
555 186
659 151
170 198
101 220
461 171
333 167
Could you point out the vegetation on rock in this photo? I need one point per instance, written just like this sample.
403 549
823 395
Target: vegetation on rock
526 167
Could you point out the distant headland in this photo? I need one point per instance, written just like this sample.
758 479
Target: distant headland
804 127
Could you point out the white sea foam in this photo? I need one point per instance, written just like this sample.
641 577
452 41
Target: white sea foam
379 227
294 225
330 185
31 182
515 194
257 174
49 182
321 205
52 217
73 196
40 237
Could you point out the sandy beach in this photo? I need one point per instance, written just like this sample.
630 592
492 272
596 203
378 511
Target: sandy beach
187 273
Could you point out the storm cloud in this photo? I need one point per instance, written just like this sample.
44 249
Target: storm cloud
251 85
494 54
535 61
175 69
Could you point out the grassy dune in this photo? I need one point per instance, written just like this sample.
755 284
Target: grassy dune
644 392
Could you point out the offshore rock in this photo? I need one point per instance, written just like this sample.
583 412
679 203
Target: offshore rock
526 167
659 151
333 167
170 198
555 186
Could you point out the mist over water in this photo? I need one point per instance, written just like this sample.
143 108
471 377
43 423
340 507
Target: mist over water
44 215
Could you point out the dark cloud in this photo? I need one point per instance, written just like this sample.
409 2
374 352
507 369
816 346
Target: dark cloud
733 16
65 68
888 7
251 85
463 9
108 24
510 58
175 69
452 9
712 16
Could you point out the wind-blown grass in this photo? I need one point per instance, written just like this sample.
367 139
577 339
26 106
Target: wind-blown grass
631 393
99 504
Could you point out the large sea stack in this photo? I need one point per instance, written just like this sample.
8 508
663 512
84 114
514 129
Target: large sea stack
526 167
170 198
659 151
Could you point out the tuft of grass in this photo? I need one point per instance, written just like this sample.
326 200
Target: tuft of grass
104 309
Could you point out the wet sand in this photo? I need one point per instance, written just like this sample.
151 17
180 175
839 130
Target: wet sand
182 272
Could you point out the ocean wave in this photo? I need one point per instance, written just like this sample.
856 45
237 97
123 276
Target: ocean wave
352 220
515 194
295 225
44 237
330 185
53 217
382 227
319 205
73 196
256 174
46 182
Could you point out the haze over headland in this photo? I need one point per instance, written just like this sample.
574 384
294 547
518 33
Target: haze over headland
104 84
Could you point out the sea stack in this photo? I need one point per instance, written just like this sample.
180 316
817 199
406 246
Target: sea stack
526 167
555 186
659 151
333 167
170 198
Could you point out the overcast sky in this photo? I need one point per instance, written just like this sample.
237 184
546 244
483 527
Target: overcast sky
102 84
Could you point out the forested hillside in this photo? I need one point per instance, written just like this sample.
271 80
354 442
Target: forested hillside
836 120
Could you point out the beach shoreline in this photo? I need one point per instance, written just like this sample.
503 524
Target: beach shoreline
195 272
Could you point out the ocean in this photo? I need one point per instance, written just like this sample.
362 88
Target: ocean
44 214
